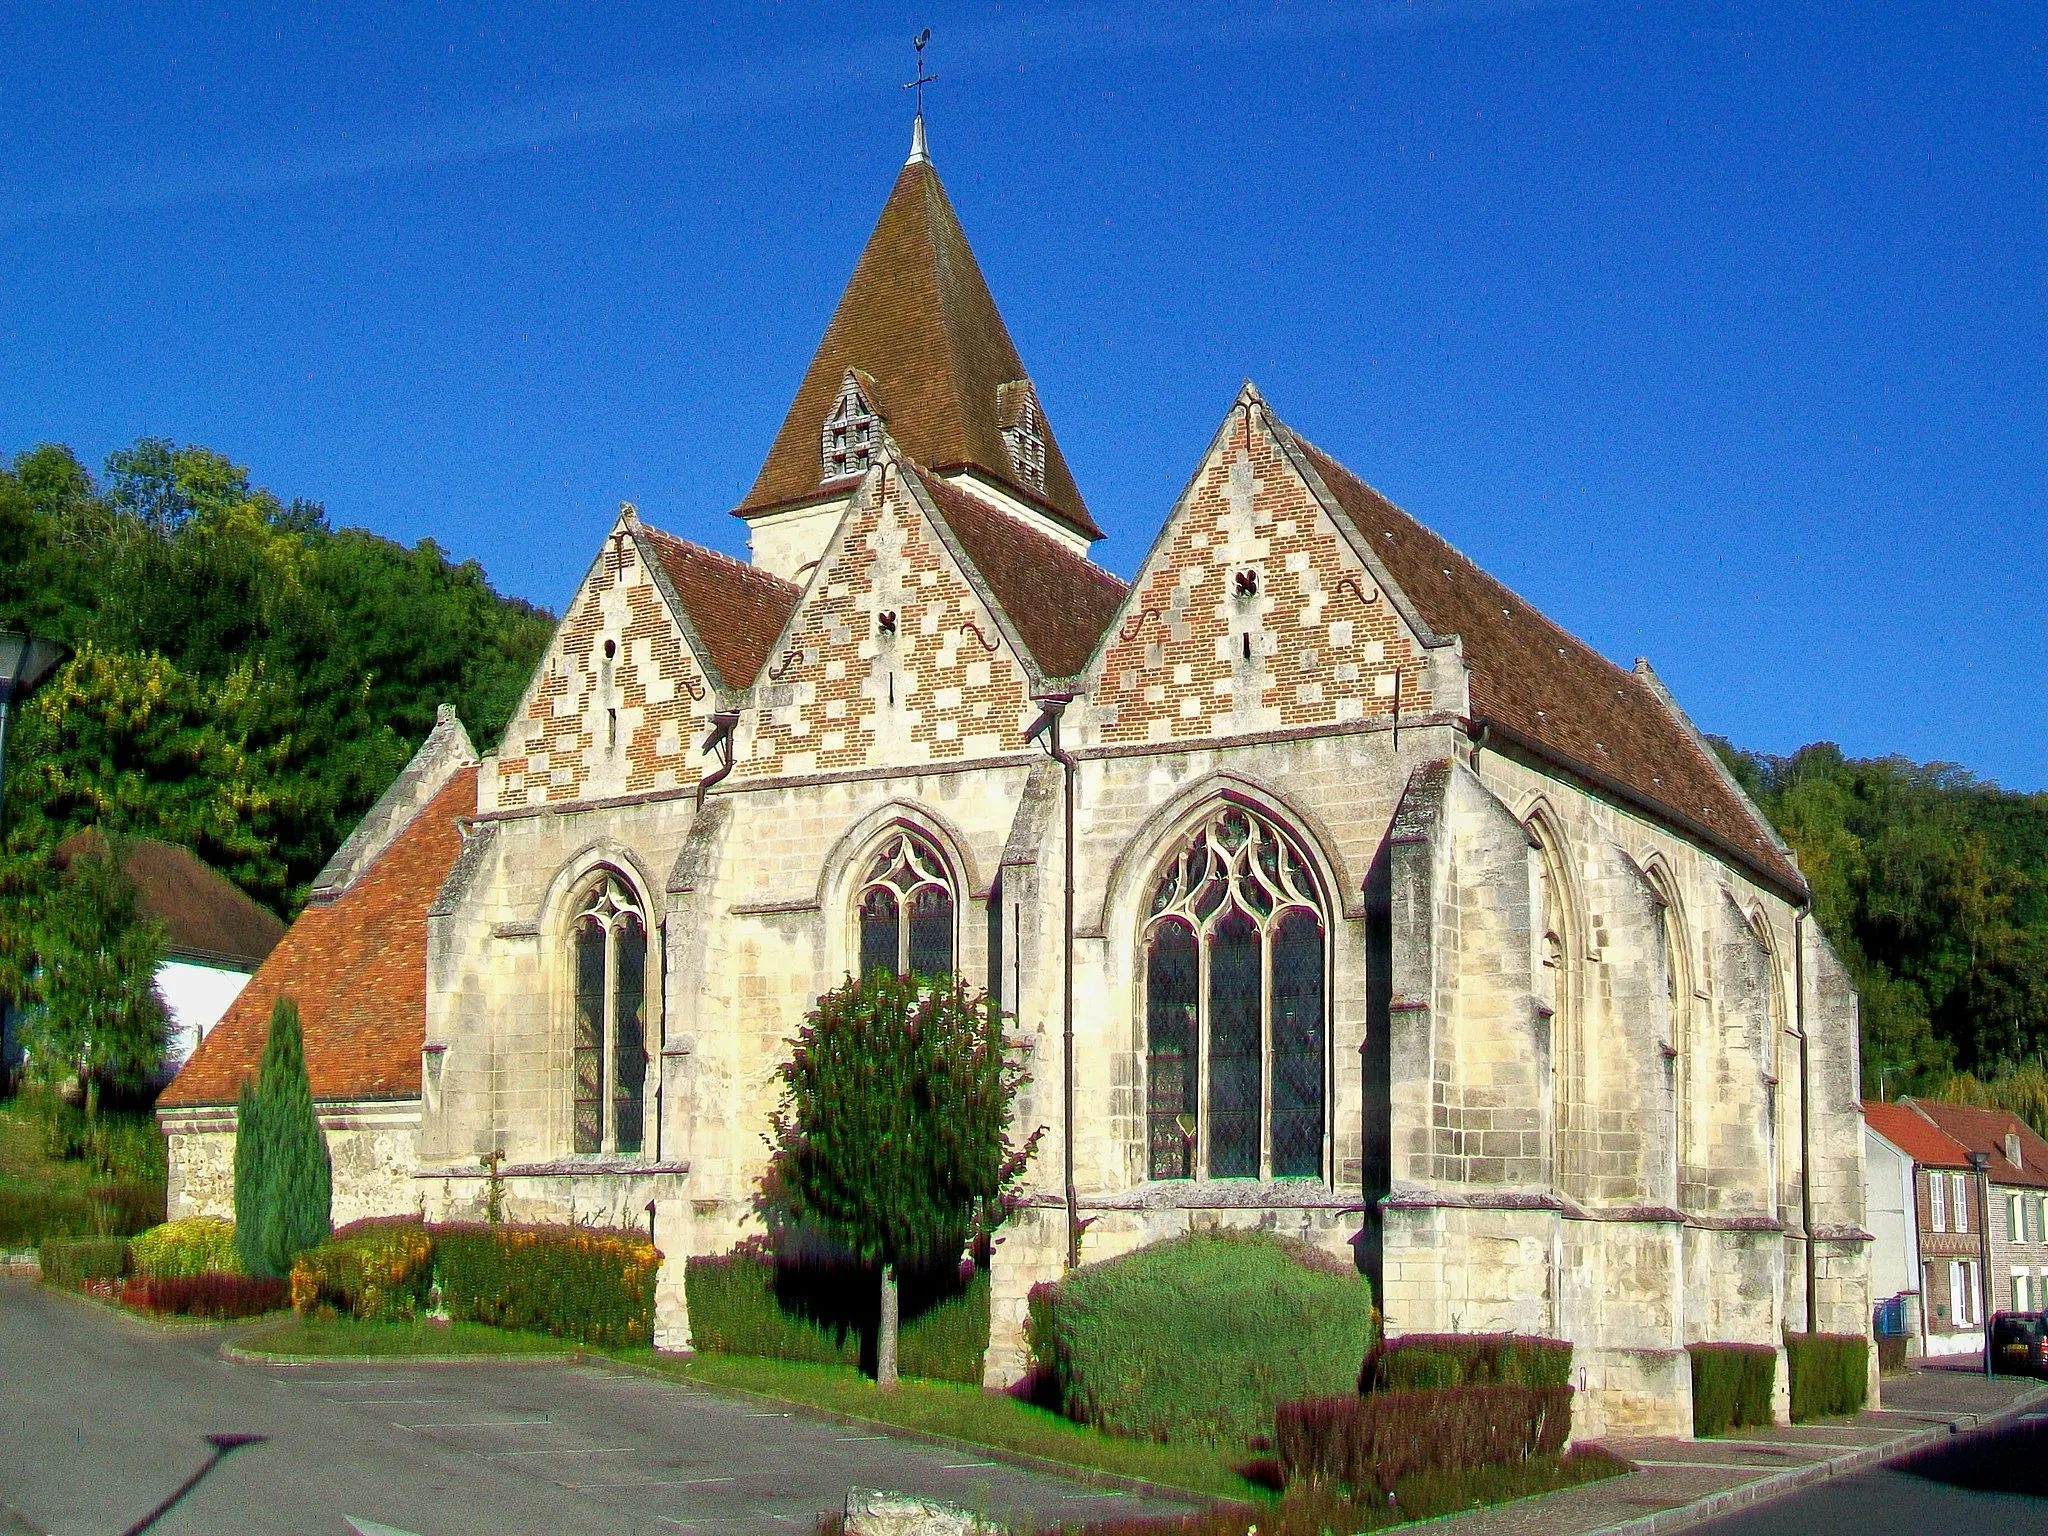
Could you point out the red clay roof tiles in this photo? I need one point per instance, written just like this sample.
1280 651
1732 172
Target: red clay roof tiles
1915 1135
737 610
1540 683
357 967
1986 1130
206 916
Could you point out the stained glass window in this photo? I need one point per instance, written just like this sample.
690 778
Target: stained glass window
1236 1009
907 910
609 1048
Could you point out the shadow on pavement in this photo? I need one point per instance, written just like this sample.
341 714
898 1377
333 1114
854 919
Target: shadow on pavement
2010 1459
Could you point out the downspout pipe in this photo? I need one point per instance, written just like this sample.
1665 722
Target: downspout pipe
1805 1108
1047 730
723 724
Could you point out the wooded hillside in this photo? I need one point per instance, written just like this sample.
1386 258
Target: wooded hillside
246 680
1934 887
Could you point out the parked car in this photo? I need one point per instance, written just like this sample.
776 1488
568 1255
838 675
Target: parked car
2019 1343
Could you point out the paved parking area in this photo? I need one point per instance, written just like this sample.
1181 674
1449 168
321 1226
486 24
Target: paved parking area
101 1417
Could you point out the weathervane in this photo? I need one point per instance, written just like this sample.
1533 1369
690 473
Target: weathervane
917 151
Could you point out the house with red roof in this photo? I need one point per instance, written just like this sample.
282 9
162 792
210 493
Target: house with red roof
1337 890
1933 1218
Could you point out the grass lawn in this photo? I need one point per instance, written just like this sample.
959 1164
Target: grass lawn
970 1414
294 1335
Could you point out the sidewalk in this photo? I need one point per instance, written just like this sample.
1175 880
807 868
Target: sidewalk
1681 1482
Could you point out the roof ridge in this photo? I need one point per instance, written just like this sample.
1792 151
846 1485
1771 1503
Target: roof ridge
743 567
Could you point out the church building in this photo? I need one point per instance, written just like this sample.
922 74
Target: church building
1330 887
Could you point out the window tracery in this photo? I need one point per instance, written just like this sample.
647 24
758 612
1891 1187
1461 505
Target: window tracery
609 1048
906 909
1236 974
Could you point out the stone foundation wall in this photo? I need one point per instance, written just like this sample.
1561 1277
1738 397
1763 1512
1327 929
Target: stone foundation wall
373 1148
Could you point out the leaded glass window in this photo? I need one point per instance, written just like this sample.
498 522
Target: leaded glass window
609 1047
906 909
1236 1007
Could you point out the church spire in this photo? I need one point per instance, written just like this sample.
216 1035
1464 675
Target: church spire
917 349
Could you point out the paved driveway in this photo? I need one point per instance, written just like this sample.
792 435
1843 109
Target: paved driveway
101 1417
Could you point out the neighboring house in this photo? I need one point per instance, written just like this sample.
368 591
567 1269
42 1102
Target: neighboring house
1924 1250
1394 917
215 935
2017 1172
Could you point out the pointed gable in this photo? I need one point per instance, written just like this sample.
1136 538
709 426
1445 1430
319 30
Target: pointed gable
619 702
917 331
1538 684
1252 612
898 652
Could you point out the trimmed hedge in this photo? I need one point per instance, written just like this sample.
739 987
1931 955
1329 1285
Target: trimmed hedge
748 1304
373 1271
1829 1372
71 1261
586 1283
213 1294
1731 1386
1199 1337
1424 1362
1369 1443
197 1246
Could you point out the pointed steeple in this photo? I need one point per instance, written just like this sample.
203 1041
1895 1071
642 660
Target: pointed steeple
918 332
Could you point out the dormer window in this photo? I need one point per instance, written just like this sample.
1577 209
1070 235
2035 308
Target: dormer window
1023 428
852 430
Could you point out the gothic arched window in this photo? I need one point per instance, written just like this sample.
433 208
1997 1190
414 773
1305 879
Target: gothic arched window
1556 988
906 909
1678 1000
610 1045
1236 1010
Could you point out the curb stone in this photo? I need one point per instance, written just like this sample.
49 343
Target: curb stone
241 1356
1776 1486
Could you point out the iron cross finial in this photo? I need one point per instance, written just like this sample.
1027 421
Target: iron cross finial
922 79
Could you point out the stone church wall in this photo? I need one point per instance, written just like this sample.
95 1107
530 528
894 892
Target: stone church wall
371 1146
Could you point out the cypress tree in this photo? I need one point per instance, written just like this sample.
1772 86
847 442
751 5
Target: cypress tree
250 1166
283 1178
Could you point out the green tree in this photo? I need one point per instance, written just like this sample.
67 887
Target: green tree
891 1136
94 1010
283 1177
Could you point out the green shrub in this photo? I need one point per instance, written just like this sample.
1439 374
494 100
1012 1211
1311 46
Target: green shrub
283 1177
1199 1337
733 1311
71 1261
1829 1373
747 1304
373 1271
581 1283
1428 1362
1369 1443
198 1245
29 1216
1731 1386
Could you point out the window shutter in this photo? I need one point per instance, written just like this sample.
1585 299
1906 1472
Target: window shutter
1937 1200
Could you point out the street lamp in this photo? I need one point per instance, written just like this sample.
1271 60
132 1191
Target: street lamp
25 660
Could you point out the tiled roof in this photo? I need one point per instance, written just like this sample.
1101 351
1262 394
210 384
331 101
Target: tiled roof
1915 1135
357 968
1985 1130
737 609
917 318
1564 699
206 916
1059 602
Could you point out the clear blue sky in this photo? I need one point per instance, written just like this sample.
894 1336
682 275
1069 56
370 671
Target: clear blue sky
1720 331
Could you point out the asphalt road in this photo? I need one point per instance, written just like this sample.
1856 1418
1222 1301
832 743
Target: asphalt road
102 1417
1990 1482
